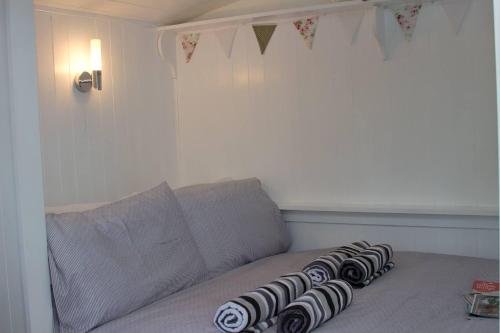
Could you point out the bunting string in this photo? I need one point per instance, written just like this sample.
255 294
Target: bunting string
406 15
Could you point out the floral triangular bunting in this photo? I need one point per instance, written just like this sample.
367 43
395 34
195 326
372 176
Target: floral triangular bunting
307 28
189 43
264 33
407 15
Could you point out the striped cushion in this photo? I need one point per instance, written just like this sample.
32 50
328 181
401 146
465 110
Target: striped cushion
115 259
369 265
233 223
254 311
326 268
315 307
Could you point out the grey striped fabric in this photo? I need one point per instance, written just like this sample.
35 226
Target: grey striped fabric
326 268
108 262
233 223
256 310
315 307
364 268
262 326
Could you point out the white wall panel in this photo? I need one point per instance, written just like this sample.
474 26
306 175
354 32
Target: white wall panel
24 277
103 145
12 303
473 236
338 125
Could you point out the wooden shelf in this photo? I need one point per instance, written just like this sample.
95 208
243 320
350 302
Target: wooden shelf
278 15
392 209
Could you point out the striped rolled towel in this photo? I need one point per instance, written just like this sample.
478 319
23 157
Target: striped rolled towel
256 310
315 307
326 268
372 263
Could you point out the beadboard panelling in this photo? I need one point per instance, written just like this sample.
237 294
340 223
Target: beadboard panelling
473 236
339 126
103 145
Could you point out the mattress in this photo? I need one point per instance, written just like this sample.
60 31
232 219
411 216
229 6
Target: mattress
423 293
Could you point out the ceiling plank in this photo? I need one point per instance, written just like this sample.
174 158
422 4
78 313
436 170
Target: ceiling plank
159 12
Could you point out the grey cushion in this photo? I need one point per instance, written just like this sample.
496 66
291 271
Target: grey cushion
233 223
117 258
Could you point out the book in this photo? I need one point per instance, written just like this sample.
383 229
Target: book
484 306
483 301
485 288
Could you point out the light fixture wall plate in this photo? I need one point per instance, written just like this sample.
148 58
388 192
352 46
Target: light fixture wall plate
97 79
83 82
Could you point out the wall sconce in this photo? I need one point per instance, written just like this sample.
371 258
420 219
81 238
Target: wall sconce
85 81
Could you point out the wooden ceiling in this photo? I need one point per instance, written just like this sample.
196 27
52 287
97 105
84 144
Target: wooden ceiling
166 12
153 11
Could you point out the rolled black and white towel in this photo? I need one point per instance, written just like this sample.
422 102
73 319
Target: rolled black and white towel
262 326
327 267
256 310
315 307
364 268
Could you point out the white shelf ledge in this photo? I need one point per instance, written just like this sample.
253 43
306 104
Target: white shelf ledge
392 209
277 15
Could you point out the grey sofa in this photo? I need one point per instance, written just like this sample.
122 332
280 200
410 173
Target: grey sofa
163 261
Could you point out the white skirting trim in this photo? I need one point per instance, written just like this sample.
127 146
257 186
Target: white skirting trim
475 236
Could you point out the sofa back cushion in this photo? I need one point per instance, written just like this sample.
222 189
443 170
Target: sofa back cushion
233 223
110 261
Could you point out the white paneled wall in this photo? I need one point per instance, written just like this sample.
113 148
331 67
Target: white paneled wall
103 145
474 236
338 125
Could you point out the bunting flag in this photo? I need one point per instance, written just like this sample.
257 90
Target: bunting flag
167 48
307 28
380 31
263 33
189 42
456 11
407 15
226 39
351 21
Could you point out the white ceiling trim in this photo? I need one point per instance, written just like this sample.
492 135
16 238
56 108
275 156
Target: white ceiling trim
157 12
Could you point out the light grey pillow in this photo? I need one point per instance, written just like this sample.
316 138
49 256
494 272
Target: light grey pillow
233 223
115 259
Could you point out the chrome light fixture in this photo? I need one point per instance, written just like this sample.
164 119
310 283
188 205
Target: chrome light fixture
85 81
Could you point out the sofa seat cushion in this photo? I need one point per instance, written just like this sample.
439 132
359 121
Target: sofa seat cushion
423 293
108 262
233 223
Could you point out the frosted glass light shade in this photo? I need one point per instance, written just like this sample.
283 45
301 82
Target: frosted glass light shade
95 54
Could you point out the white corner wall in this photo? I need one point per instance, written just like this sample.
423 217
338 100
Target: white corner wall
103 145
338 125
24 278
402 151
